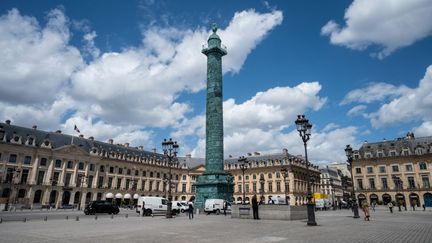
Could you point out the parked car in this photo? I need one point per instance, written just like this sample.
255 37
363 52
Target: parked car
101 206
67 206
178 206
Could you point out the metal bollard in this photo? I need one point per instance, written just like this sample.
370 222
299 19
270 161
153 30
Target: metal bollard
1 220
77 218
127 216
46 218
112 216
25 219
67 217
96 217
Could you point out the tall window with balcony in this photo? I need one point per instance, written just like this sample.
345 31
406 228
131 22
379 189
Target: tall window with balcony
254 187
278 186
360 184
372 183
425 180
67 179
270 186
100 182
24 176
183 187
40 177
411 182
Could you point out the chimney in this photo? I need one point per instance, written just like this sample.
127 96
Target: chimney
285 151
8 122
189 156
110 141
34 127
230 156
154 150
141 147
126 145
91 138
249 154
256 153
58 131
81 135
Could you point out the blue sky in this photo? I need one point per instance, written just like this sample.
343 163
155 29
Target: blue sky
133 71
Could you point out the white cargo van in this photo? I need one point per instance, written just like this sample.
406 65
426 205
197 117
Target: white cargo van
178 206
152 205
216 206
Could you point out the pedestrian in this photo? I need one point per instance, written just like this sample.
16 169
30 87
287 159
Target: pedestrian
424 207
225 206
143 209
373 206
413 207
270 201
390 206
190 209
365 207
255 207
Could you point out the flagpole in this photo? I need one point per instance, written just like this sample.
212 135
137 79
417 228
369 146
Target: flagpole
73 134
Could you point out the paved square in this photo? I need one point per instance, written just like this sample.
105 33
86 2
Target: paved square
333 226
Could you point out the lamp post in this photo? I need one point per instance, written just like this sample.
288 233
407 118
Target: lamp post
397 181
304 128
170 151
285 175
83 180
348 153
243 163
262 181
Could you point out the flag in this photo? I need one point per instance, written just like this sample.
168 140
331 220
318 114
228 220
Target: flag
76 129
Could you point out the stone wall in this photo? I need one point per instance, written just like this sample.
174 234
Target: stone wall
272 212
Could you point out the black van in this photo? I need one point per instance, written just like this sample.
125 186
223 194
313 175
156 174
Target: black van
101 206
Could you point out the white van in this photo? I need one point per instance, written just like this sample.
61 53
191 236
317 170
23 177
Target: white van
178 206
152 205
215 206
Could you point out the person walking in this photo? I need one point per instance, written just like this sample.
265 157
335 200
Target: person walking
373 206
390 206
255 207
190 209
225 206
365 207
424 207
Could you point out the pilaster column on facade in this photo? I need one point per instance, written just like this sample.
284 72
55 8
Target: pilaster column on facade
96 180
30 196
83 199
33 171
49 173
74 176
59 199
62 176
46 195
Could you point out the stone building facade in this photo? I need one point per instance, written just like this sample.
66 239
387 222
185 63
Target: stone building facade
396 171
39 168
268 169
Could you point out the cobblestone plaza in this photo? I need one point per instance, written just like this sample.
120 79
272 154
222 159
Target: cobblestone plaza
333 226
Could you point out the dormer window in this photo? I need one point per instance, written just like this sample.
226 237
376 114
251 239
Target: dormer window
419 151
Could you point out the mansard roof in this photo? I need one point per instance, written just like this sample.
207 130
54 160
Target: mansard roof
57 140
399 144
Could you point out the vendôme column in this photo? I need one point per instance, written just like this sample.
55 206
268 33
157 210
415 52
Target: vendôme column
214 183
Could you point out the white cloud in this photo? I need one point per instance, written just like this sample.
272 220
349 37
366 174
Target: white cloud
413 104
387 24
374 92
425 129
259 124
35 62
116 94
357 110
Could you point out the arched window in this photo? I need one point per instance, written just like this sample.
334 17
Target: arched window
269 175
38 196
423 166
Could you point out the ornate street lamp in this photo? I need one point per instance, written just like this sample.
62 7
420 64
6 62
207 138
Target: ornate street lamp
349 152
170 151
285 175
262 181
304 128
244 164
